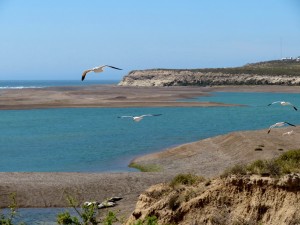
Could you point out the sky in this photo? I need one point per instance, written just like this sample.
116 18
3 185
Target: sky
59 39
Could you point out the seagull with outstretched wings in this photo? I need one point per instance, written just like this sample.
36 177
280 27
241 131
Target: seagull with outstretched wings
97 69
280 124
283 103
139 118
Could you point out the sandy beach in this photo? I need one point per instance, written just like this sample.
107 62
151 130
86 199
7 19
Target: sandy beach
208 157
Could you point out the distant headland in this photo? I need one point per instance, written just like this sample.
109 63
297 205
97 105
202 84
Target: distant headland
275 72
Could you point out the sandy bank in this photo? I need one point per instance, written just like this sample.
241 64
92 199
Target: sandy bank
209 157
117 96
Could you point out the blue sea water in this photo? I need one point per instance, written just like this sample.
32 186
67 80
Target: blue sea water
96 140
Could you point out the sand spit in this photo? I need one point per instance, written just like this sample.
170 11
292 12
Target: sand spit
119 96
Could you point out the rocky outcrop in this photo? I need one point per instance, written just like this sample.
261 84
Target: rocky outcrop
164 77
233 200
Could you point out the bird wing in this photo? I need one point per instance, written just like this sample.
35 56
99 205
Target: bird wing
156 114
145 115
274 103
84 73
290 124
150 115
125 116
113 67
288 103
272 126
288 133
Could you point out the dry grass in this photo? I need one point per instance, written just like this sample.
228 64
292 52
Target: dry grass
186 179
288 162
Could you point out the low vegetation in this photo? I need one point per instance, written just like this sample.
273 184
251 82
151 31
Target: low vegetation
288 162
145 168
8 219
186 179
274 67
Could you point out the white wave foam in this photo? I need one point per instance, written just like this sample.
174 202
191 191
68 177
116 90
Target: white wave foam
19 87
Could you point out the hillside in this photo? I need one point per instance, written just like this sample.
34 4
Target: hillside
236 200
276 72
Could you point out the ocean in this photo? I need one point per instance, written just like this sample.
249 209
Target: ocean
96 140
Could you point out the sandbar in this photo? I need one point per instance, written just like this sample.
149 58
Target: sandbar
120 96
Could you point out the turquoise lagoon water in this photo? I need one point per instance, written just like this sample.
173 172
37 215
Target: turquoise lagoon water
96 140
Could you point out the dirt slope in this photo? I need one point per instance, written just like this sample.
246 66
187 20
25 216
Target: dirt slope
234 200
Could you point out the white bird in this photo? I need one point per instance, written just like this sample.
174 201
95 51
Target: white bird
288 133
280 124
97 69
139 118
107 203
283 103
90 203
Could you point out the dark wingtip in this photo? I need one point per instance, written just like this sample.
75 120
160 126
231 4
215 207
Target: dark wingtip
295 108
290 124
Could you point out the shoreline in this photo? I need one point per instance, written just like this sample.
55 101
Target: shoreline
209 156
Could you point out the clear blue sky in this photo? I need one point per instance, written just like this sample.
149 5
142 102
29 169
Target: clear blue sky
58 39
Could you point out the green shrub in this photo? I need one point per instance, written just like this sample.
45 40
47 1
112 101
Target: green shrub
235 170
150 220
185 179
8 219
257 167
289 161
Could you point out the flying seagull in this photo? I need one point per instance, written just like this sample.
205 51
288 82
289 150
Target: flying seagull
139 118
279 124
288 133
97 69
284 104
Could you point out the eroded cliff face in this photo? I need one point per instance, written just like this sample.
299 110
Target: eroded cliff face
157 77
234 200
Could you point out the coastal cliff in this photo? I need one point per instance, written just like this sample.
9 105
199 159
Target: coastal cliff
263 73
233 200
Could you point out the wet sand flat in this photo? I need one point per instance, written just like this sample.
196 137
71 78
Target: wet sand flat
119 96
